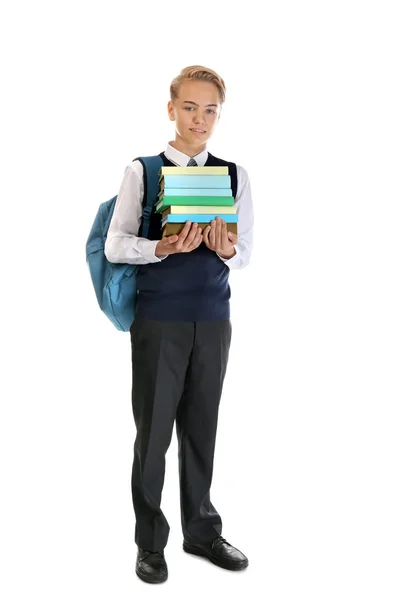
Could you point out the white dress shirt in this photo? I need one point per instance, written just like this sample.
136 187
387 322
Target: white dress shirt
123 244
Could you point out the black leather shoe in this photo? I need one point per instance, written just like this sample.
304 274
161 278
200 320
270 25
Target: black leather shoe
151 566
220 553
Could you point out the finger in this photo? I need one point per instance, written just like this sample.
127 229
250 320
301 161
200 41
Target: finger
191 235
233 237
197 240
193 245
171 239
224 233
212 234
199 236
186 228
206 236
218 233
183 234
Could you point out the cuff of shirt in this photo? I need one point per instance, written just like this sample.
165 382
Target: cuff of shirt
148 251
230 262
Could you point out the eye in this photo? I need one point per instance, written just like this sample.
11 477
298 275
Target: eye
210 110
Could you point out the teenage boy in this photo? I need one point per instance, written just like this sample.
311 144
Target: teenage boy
181 334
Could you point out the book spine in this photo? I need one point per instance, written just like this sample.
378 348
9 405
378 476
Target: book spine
196 181
178 210
198 218
176 228
195 192
193 200
194 171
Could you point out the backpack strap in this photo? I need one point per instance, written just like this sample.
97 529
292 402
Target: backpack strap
151 170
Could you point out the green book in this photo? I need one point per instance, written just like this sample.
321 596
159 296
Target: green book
193 200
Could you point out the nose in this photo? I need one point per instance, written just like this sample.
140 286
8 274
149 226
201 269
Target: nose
198 118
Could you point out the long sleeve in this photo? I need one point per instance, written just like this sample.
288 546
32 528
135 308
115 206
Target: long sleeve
122 243
244 210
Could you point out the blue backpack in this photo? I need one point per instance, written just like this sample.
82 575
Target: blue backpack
115 283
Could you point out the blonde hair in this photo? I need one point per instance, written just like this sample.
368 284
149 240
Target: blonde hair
200 73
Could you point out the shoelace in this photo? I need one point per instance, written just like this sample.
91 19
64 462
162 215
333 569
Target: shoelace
219 540
148 552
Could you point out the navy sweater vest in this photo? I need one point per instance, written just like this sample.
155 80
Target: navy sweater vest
188 286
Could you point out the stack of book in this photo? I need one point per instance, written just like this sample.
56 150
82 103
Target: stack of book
196 194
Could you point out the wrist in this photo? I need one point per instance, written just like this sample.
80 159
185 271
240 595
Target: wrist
158 253
227 256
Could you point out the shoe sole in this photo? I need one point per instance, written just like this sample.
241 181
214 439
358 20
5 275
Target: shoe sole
231 566
150 579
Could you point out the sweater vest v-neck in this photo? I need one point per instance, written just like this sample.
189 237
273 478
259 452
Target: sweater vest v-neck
187 286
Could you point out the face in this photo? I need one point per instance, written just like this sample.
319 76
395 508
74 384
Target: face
198 107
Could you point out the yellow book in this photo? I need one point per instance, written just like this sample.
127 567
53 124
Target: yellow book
193 171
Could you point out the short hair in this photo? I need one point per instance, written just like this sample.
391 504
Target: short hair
200 73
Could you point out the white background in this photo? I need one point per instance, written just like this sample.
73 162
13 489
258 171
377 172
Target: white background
306 471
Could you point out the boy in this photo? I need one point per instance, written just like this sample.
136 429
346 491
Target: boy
181 333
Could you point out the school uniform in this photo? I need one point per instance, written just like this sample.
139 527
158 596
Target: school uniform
180 342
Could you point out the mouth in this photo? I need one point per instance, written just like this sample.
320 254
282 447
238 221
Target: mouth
198 131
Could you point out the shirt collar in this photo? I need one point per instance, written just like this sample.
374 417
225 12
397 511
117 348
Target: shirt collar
181 159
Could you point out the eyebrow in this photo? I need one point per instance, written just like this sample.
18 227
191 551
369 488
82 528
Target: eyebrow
190 102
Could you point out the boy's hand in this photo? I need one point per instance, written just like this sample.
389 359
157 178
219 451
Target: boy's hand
217 237
189 239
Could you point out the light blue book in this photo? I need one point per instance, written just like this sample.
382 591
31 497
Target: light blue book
195 191
197 218
197 181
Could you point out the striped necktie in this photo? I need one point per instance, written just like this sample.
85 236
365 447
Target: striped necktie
192 163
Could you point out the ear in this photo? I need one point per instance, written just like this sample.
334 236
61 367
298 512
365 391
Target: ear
170 108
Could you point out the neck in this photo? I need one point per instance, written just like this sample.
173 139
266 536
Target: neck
188 149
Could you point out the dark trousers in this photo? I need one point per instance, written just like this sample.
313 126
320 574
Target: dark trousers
178 369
